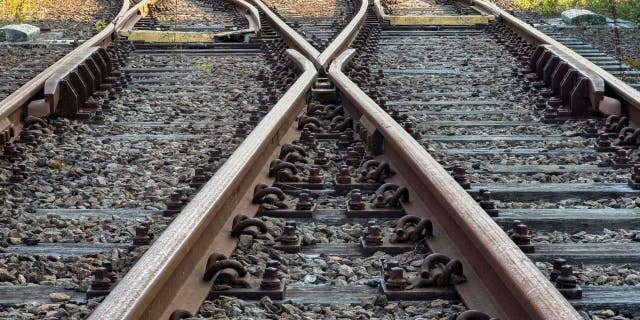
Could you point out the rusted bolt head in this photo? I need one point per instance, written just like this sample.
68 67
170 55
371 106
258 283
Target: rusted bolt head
396 279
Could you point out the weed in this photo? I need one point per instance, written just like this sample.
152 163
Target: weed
633 62
204 66
100 25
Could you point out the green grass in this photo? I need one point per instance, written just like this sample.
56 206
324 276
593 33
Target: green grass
625 9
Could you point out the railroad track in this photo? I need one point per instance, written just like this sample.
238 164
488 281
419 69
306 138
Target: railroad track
328 203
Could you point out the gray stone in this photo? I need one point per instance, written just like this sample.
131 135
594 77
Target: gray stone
20 32
582 16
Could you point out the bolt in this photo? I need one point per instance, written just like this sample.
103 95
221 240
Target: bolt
566 279
199 178
289 235
241 129
343 141
17 176
109 271
314 174
141 238
390 265
373 236
603 141
353 158
175 202
343 175
557 268
459 174
304 135
487 203
305 202
591 127
621 157
270 279
396 280
356 202
521 238
100 282
311 142
321 157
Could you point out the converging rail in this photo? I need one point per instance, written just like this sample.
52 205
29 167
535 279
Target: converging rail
329 145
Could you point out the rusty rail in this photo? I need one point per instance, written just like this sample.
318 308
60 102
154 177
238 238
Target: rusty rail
344 39
169 275
252 14
630 98
290 36
496 265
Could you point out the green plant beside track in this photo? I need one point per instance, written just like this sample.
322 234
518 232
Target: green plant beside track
625 9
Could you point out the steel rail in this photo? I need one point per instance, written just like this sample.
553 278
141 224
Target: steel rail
169 275
630 97
345 38
252 14
290 36
518 290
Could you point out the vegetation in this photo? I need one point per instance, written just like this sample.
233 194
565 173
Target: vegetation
18 10
100 25
625 9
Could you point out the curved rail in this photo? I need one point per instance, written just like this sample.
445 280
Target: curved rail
290 36
506 273
296 41
169 275
630 96
252 14
344 39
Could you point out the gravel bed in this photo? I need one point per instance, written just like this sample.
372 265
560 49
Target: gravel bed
143 150
205 15
608 236
19 65
232 308
616 203
601 275
74 19
424 7
318 24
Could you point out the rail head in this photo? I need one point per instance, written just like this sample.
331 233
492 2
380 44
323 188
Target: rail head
518 283
145 291
345 38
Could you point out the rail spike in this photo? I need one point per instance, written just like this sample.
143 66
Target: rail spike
254 227
412 229
438 270
284 171
263 194
374 171
390 195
